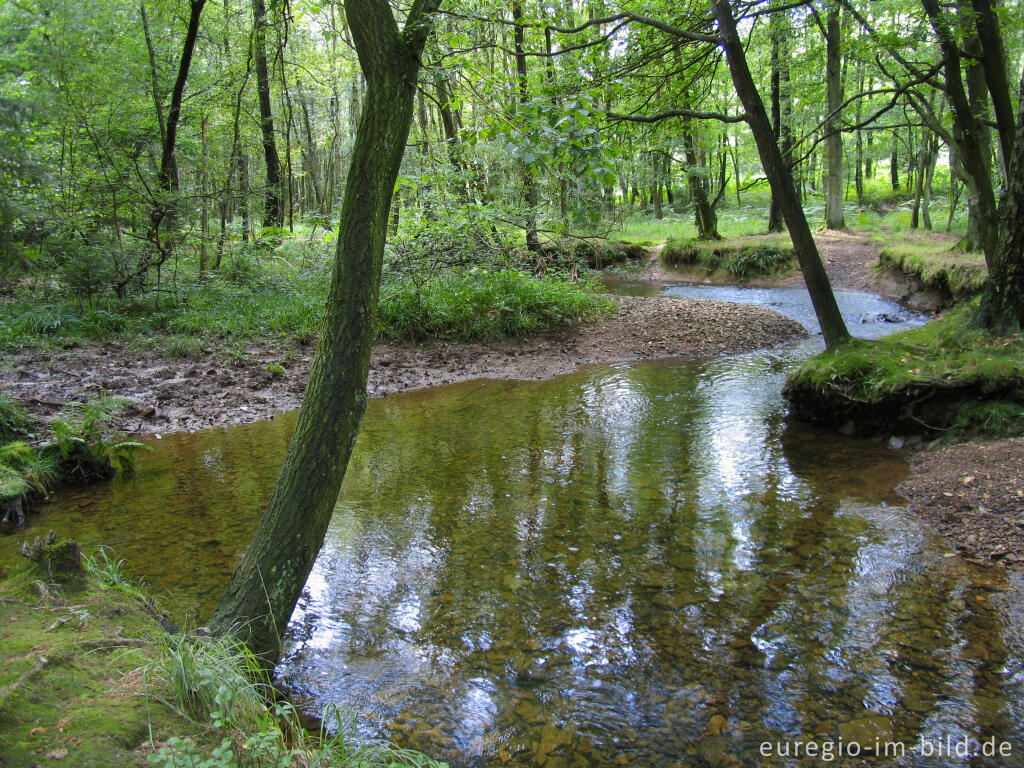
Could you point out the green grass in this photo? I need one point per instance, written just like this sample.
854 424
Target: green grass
90 678
936 260
948 378
483 304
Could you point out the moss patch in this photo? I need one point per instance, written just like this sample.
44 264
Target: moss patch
934 258
93 678
738 257
70 682
947 379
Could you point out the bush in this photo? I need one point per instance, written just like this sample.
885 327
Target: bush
483 304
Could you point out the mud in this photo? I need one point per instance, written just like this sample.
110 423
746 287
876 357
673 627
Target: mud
170 396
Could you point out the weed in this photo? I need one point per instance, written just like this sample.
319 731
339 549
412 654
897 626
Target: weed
184 348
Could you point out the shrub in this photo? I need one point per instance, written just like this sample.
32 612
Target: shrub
483 304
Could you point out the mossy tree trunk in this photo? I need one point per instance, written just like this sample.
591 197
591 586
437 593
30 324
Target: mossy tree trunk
262 593
833 328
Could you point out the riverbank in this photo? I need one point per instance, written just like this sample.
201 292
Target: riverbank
171 396
93 674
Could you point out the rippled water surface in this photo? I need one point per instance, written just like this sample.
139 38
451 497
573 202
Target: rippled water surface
631 565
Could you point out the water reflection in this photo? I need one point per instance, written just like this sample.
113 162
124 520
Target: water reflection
642 562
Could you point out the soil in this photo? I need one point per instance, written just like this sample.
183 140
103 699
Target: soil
171 396
973 494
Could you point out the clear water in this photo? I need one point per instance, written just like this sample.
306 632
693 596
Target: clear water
629 565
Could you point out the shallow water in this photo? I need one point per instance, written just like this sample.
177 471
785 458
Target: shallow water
634 564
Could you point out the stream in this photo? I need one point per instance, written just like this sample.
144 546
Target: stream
634 564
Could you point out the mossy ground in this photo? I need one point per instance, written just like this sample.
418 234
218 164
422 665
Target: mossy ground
734 258
949 379
936 260
72 688
90 677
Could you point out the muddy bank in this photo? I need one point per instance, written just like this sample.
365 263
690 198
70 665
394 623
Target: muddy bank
973 494
169 396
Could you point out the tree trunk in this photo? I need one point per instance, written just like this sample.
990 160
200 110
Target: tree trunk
833 126
833 327
204 203
158 101
529 181
262 593
272 199
656 196
781 104
704 216
894 162
163 208
1002 305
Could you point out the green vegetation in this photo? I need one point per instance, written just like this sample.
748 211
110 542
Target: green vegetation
937 262
90 677
949 380
83 450
739 257
482 304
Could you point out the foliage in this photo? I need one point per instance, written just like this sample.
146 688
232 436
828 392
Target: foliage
24 470
13 418
87 450
484 304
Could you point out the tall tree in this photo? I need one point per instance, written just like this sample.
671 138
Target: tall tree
263 590
1002 228
833 125
529 182
272 196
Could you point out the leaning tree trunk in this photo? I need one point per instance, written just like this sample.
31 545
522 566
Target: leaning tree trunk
262 593
833 328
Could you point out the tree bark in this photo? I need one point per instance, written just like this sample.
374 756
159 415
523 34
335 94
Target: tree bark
833 327
529 182
262 593
781 103
704 216
833 126
273 194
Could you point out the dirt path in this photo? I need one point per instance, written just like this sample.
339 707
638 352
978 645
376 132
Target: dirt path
171 396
